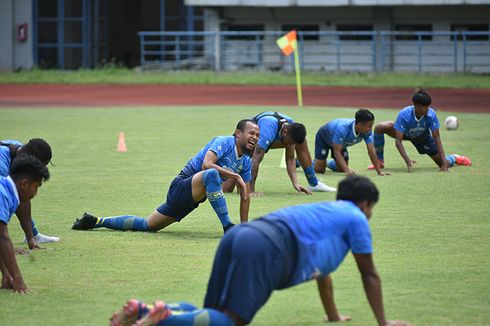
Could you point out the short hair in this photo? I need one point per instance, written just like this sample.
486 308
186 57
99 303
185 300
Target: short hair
30 167
363 115
357 189
421 97
242 123
297 132
39 148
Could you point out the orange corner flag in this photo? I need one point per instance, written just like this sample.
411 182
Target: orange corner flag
288 43
121 144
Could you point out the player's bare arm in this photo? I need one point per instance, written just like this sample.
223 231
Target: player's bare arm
244 206
339 158
256 159
291 168
374 159
402 151
7 257
23 213
325 289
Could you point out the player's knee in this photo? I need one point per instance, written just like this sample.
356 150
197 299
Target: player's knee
211 176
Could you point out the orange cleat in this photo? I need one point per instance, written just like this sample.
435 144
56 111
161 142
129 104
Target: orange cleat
463 160
381 164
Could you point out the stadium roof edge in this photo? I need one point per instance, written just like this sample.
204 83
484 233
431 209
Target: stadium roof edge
330 3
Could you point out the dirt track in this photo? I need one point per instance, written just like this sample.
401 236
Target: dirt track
52 95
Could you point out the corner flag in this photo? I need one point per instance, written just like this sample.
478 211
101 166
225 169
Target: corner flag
289 44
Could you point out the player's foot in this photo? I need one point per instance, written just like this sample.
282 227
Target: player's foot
462 160
130 313
86 222
41 238
321 187
228 227
381 165
160 311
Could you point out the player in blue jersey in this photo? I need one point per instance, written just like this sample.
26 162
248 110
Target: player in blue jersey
9 150
337 135
417 123
277 130
26 175
225 157
290 246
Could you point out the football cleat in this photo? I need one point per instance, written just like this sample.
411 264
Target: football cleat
86 222
381 165
160 311
41 238
463 160
130 313
321 187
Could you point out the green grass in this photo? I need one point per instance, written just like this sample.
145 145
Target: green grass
126 76
431 230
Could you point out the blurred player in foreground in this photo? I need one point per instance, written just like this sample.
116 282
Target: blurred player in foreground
290 246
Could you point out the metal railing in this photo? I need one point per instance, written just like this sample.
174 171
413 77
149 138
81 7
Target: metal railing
327 51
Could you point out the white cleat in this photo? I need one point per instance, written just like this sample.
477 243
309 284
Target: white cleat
41 238
321 187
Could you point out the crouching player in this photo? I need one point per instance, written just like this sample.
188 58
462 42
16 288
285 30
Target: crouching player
417 123
26 175
290 246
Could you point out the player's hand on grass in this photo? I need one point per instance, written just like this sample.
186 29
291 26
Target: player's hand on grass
20 287
301 189
410 165
22 251
342 318
33 245
256 194
350 172
384 173
444 168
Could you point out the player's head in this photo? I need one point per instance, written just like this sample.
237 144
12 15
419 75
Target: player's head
294 133
247 135
359 190
364 121
28 174
421 101
39 148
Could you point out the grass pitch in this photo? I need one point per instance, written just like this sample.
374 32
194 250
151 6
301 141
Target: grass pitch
431 230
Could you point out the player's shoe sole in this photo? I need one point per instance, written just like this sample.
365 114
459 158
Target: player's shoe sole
86 222
463 160
381 165
160 311
129 314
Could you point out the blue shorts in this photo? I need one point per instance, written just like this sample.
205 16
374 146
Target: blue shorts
179 198
424 144
322 148
243 275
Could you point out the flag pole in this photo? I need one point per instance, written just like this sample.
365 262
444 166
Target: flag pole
298 78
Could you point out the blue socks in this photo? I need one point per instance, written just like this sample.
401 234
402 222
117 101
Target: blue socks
451 159
379 144
332 165
212 183
34 228
311 175
201 317
123 223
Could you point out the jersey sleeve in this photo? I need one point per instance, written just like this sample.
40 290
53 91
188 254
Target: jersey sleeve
400 124
268 133
368 139
434 122
4 209
360 236
219 146
339 136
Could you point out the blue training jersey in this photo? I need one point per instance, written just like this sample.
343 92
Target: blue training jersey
269 129
407 122
342 132
324 232
225 149
9 199
5 156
